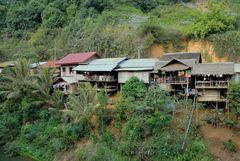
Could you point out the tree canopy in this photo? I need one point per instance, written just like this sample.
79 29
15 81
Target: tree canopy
113 28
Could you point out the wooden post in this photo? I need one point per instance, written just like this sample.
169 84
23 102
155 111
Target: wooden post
189 123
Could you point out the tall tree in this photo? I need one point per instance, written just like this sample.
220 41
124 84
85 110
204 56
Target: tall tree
17 81
82 105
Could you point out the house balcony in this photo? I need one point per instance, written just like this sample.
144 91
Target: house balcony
96 78
211 84
174 80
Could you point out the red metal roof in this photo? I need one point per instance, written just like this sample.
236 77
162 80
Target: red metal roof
77 58
51 64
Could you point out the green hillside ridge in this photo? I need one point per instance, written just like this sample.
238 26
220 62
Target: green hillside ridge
45 29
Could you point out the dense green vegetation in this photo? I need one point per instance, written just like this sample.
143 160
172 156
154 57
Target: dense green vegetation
234 94
146 130
41 29
38 122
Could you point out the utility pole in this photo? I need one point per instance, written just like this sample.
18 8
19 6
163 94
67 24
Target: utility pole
139 53
189 122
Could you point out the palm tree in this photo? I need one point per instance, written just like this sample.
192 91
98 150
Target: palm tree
82 105
16 81
42 86
43 83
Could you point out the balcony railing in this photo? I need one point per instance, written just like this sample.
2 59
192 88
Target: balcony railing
176 80
96 78
211 84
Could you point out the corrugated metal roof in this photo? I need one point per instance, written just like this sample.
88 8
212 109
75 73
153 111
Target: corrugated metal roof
101 65
186 63
50 64
213 68
138 63
76 58
182 55
7 64
35 65
107 61
175 67
95 68
160 64
68 80
134 69
237 68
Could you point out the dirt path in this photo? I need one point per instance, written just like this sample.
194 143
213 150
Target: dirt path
215 136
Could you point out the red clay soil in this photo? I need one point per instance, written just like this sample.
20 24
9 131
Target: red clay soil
215 136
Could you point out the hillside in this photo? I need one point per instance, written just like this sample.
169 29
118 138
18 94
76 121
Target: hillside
45 29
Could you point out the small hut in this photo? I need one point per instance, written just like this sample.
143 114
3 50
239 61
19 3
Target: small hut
66 85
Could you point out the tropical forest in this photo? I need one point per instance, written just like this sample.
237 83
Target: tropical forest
138 122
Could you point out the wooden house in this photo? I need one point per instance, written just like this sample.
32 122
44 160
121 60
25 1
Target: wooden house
175 75
211 82
141 68
72 60
67 81
66 85
100 72
185 73
173 72
236 77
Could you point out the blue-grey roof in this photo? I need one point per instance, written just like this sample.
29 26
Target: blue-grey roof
35 65
134 69
137 65
68 80
100 65
182 55
213 68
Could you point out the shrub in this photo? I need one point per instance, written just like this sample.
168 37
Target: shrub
197 150
230 145
198 147
98 152
230 122
158 121
158 99
11 148
10 125
217 20
227 44
108 138
133 130
234 94
134 88
29 132
99 5
103 116
145 6
124 109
